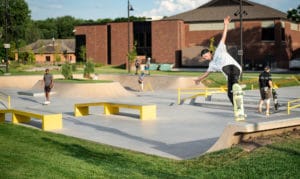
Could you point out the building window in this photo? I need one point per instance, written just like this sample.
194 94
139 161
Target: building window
142 37
48 58
268 34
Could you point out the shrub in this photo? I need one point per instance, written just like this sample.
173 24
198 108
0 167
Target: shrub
66 71
89 68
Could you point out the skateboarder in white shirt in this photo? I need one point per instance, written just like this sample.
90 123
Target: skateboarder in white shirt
222 61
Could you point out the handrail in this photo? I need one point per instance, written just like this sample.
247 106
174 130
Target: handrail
197 92
290 107
6 98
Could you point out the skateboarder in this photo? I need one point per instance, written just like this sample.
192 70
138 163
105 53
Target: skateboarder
265 88
48 85
222 61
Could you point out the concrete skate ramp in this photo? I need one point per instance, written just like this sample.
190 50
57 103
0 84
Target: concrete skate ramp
20 82
238 132
81 90
91 90
157 82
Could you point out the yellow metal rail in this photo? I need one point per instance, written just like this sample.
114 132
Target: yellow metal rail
292 105
195 92
4 98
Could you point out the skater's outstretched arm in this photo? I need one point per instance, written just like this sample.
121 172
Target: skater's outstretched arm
224 35
202 77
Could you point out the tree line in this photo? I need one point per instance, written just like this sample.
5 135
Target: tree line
18 29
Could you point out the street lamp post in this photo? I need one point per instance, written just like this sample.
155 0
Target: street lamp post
6 45
129 8
241 12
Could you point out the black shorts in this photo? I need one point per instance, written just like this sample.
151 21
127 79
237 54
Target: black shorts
47 89
265 93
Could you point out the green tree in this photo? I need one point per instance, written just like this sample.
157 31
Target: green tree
65 26
17 14
294 14
89 68
132 54
82 53
66 70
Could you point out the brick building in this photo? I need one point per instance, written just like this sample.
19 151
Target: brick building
51 50
268 36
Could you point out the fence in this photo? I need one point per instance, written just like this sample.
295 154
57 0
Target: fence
195 92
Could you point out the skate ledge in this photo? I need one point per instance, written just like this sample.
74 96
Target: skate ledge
237 132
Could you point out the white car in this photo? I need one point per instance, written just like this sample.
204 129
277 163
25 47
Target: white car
295 63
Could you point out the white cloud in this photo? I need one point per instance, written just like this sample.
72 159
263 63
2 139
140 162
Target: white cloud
172 7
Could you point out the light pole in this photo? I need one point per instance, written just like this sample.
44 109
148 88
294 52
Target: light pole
129 8
241 12
6 45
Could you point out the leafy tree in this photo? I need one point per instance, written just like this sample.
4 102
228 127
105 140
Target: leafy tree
212 47
89 68
82 53
132 54
65 26
294 14
66 70
17 14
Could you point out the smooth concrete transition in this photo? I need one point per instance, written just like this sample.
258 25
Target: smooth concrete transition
179 132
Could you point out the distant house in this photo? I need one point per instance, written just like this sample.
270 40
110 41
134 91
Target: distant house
51 50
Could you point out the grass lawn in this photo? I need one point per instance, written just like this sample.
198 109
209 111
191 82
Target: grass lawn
31 153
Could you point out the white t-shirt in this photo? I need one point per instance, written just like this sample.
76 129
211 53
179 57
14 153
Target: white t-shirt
222 58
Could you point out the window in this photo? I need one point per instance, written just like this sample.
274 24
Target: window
48 58
142 37
268 34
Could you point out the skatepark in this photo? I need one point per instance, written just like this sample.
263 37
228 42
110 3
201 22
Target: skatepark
179 131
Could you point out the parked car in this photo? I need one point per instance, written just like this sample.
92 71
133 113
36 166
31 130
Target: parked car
295 63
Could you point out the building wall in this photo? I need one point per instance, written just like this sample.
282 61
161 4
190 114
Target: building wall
41 58
96 42
170 37
293 38
119 42
167 39
256 51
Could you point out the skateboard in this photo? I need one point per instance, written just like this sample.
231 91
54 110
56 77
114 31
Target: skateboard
238 102
275 99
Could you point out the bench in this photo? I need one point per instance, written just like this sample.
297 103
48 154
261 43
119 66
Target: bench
165 67
49 121
147 111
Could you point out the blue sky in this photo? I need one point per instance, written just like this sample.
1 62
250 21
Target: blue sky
95 9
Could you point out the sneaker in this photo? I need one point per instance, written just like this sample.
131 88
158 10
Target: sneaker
47 102
267 114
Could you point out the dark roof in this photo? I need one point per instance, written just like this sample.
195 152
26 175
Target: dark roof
46 46
216 10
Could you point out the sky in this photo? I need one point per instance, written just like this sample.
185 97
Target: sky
101 9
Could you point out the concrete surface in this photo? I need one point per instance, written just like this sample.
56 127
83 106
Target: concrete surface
180 131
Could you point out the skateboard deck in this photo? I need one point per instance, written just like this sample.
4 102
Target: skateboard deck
275 99
238 102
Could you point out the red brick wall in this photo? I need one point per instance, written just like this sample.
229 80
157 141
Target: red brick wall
255 50
167 38
119 42
293 40
96 41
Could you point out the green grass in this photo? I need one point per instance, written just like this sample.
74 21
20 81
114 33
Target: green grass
30 153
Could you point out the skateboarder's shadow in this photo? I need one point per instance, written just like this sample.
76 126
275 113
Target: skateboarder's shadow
31 100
